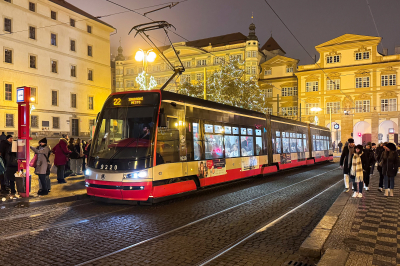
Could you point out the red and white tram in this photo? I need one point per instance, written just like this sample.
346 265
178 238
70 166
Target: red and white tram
152 145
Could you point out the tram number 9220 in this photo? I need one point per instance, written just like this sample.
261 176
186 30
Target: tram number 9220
108 167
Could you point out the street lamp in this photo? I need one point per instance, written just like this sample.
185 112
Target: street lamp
317 109
145 57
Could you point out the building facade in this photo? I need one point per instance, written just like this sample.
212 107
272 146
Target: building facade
200 57
356 88
63 54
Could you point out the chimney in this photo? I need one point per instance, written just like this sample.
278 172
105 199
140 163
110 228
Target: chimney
315 58
385 51
397 49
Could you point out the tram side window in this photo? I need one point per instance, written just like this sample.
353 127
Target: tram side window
258 146
232 146
168 142
285 143
247 146
214 146
300 145
278 146
293 143
197 143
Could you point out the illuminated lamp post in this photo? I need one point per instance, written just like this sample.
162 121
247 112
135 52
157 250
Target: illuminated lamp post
141 79
318 109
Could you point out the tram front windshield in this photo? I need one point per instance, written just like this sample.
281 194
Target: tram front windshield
125 133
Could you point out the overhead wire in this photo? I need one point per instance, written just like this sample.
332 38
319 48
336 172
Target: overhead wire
373 20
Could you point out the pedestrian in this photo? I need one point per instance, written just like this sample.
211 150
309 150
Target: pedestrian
73 156
359 170
345 162
11 165
42 163
378 157
364 144
79 150
3 136
373 151
61 153
368 159
340 145
390 165
84 143
333 146
87 150
4 147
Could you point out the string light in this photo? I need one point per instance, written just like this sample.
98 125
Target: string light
141 81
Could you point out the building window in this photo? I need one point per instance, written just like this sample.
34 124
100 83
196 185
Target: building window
362 82
333 59
53 39
362 106
388 105
130 83
358 56
335 107
388 80
311 86
73 71
187 64
54 98
9 120
140 70
32 7
186 78
33 94
248 70
289 91
309 106
32 61
236 57
73 100
7 25
366 55
269 110
202 62
268 93
253 53
56 122
289 70
54 68
34 121
72 45
89 29
332 85
72 22
218 60
90 50
199 76
129 71
253 70
54 15
32 33
9 1
8 58
267 72
289 111
90 74
90 103
8 92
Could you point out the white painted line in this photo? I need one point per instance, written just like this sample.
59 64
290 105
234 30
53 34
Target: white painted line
199 220
265 227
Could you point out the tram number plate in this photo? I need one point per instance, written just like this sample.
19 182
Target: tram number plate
108 167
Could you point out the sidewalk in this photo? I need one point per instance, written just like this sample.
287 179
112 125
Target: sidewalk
74 189
369 228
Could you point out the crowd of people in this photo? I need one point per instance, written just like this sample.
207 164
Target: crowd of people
358 164
69 160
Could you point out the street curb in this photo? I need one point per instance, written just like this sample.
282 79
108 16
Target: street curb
334 257
42 202
314 243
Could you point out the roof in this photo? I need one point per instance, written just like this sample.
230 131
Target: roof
222 40
73 8
350 40
271 45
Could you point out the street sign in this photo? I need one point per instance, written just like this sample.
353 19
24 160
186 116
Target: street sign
336 126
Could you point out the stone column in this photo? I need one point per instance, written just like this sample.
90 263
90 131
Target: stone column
374 127
346 127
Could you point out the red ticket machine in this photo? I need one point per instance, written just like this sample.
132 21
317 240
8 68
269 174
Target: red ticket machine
23 153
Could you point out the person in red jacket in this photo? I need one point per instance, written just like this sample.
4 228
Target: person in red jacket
61 153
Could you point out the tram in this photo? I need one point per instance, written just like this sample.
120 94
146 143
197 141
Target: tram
152 145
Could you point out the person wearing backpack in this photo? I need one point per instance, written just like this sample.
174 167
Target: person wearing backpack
42 165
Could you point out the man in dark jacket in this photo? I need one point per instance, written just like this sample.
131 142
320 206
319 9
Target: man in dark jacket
340 145
3 136
61 153
345 162
368 160
378 157
390 166
5 146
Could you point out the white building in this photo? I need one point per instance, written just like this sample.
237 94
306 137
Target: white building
63 53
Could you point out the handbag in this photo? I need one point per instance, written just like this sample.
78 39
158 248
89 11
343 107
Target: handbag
33 162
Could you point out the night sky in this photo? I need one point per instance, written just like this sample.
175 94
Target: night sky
312 21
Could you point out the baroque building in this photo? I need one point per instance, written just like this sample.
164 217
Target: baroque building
63 54
199 57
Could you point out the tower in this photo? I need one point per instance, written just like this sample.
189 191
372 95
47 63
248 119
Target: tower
119 69
252 57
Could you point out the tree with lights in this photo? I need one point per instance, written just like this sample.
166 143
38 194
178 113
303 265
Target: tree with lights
228 85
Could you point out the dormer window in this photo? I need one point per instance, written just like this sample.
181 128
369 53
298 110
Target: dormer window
362 55
267 72
289 70
333 59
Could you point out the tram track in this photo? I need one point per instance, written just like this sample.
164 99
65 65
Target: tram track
226 210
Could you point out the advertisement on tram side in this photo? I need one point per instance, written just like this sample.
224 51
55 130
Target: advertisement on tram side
249 163
286 158
209 168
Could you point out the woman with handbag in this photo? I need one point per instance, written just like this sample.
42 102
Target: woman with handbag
42 164
359 170
390 165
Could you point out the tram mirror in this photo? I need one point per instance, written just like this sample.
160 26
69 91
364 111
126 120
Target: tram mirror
97 118
162 121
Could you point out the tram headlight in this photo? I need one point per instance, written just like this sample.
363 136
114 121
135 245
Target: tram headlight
142 174
135 175
87 184
88 172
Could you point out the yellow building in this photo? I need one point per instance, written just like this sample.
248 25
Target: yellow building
63 53
198 57
356 86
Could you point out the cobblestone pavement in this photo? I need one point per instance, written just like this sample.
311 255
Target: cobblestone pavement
72 233
369 228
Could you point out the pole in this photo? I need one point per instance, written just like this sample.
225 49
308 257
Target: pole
330 121
300 113
277 104
205 84
145 69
